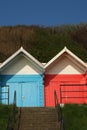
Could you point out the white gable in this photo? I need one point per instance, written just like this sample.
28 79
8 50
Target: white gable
21 65
64 65
65 62
26 54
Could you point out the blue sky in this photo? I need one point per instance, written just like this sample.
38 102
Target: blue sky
42 12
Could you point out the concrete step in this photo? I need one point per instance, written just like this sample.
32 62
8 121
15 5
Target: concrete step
43 118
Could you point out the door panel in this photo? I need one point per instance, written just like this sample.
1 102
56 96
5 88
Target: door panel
30 94
15 87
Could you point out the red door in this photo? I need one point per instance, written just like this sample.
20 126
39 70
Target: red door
49 93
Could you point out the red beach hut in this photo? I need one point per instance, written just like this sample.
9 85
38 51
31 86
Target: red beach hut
65 73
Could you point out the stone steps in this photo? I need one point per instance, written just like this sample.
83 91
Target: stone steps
35 118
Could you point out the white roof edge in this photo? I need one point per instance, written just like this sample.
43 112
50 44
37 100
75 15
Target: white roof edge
76 57
33 58
18 52
43 64
21 48
55 57
65 49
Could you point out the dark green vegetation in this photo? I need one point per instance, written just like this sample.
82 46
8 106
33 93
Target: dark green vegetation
5 110
44 42
75 117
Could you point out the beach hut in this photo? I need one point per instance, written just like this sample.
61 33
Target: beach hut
67 74
22 73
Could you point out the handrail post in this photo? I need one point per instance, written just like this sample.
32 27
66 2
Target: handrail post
12 116
59 112
19 119
55 97
14 105
8 96
60 95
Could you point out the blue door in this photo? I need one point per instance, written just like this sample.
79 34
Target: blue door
30 94
15 87
27 94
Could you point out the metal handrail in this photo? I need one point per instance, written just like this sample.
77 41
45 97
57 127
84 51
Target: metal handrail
19 119
5 92
76 91
14 107
9 127
59 112
12 116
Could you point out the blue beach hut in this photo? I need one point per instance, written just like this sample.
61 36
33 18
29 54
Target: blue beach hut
22 73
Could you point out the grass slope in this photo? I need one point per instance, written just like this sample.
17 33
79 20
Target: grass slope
4 113
75 117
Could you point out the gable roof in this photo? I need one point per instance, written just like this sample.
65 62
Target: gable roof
26 54
67 51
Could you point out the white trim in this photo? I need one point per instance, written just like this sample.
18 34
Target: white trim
43 64
21 50
65 50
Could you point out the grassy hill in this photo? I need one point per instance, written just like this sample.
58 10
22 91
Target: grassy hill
43 42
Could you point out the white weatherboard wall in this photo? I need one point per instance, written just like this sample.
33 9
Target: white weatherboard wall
64 66
21 66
